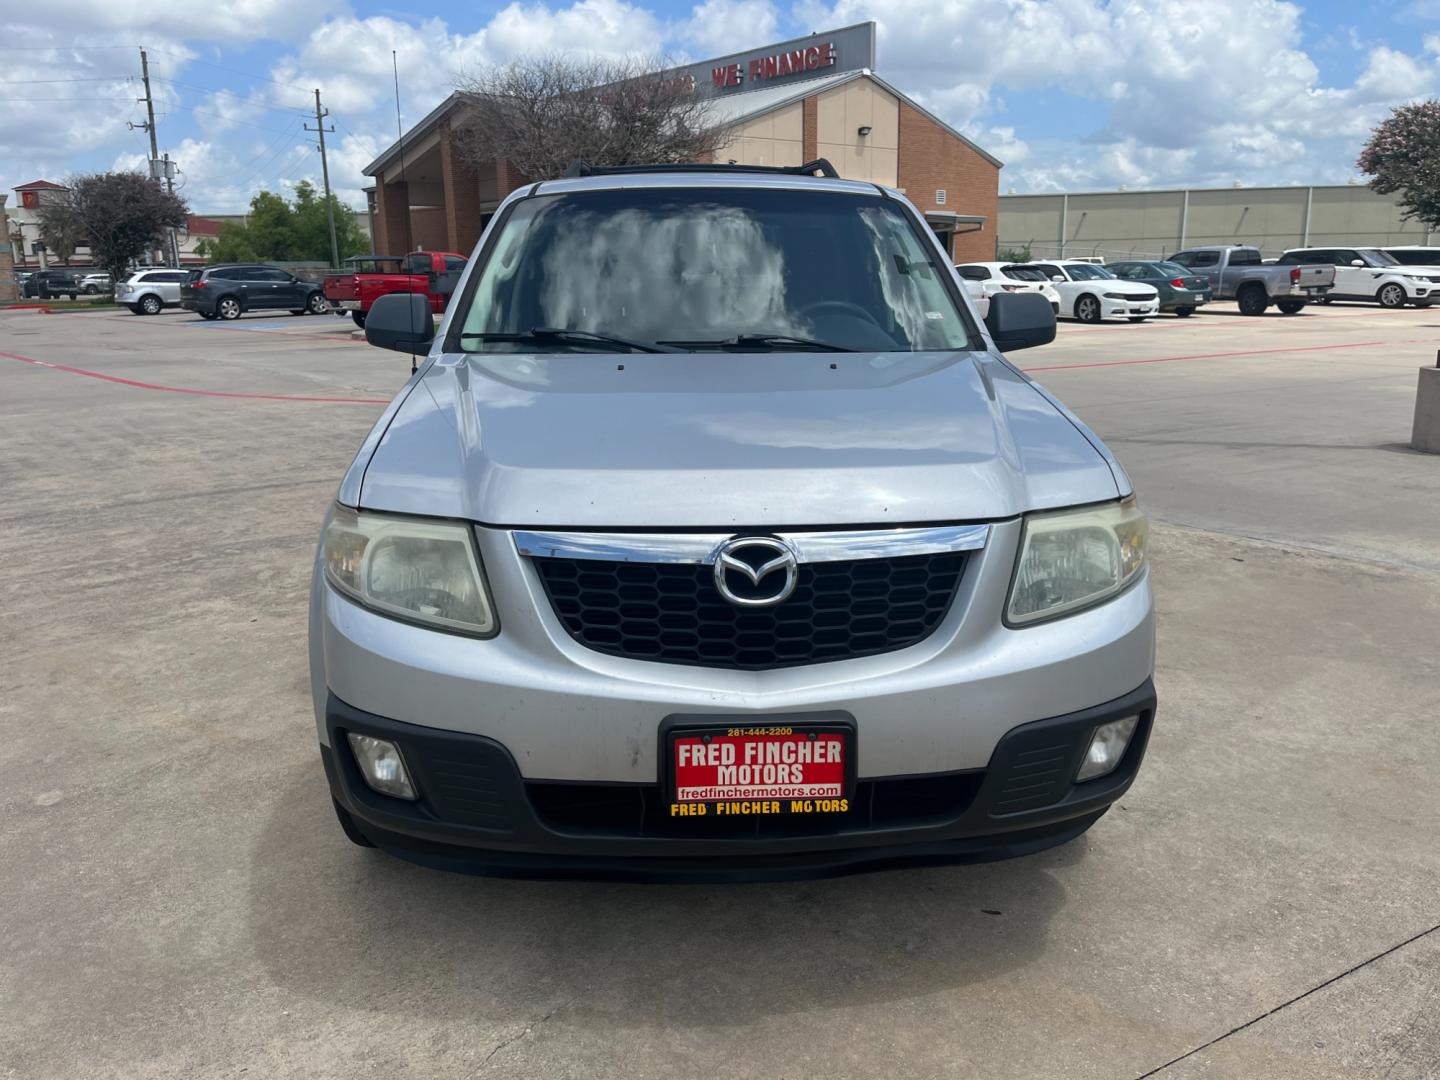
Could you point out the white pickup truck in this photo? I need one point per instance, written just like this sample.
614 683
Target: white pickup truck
1238 273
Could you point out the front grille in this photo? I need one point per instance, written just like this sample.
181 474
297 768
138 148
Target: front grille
672 613
640 809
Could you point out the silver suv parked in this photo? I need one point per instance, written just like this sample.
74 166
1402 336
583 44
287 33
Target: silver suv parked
716 536
146 292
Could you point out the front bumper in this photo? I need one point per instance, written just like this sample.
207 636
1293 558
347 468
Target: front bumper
476 812
567 712
1128 309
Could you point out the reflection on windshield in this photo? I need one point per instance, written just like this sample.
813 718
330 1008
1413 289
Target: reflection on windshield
1376 257
608 270
711 268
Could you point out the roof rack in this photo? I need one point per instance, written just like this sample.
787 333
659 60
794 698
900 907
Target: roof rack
820 167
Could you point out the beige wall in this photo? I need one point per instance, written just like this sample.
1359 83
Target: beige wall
1148 223
841 112
773 139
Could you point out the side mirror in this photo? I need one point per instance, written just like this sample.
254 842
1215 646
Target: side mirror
401 321
1058 277
1357 262
1015 321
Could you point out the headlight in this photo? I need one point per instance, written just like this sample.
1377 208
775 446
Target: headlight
1073 559
1118 296
414 569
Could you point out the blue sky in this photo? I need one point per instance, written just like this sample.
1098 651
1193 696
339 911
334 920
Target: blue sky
1071 94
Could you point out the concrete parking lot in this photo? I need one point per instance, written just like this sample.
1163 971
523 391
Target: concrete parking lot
178 900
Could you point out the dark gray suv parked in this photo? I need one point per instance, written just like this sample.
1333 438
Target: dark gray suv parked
226 292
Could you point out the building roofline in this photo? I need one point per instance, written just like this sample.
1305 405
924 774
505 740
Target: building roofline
39 185
429 122
936 120
801 93
803 89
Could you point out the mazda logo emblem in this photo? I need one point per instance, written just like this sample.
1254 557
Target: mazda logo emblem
755 571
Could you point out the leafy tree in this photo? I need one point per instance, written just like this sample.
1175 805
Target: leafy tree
122 214
277 230
1403 155
542 112
1014 255
60 230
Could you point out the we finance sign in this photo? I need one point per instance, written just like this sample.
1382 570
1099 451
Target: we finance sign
851 48
761 68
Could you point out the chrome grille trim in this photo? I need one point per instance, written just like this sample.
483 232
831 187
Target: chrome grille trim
701 548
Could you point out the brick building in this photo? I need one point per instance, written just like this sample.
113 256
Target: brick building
783 104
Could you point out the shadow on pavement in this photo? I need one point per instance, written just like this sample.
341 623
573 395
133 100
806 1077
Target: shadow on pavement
362 929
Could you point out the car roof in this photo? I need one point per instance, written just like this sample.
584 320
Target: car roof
703 178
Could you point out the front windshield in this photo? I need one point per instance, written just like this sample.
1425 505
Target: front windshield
1087 272
709 268
1376 257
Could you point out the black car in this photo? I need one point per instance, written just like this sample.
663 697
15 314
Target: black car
48 283
227 292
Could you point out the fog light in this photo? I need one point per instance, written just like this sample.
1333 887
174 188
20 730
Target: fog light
382 766
1107 747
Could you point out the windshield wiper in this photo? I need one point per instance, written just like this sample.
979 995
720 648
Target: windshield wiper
762 341
569 337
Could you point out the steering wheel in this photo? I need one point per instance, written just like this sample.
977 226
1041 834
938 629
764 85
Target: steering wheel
838 306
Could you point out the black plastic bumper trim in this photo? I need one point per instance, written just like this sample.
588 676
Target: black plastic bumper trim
501 834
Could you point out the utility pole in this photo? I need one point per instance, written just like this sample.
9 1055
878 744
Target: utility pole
149 124
320 128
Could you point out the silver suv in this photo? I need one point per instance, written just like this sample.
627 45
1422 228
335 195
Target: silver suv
715 536
146 292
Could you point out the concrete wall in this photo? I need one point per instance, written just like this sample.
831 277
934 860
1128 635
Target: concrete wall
1154 223
773 139
841 113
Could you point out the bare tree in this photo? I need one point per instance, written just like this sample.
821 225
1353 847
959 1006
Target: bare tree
541 113
121 214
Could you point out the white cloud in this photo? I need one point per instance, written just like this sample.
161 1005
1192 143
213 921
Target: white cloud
713 25
1152 96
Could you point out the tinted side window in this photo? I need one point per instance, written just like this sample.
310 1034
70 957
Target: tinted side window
1245 257
174 276
266 273
1414 258
1048 270
1346 257
1203 258
454 262
416 264
974 273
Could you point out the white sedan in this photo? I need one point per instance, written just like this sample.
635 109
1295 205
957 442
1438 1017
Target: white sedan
996 277
1091 293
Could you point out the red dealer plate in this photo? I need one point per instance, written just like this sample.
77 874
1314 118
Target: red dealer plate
793 765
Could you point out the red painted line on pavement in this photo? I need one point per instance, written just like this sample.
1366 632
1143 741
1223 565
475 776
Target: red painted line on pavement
191 390
1207 356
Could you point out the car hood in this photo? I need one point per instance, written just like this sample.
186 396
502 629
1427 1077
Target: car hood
1127 288
727 440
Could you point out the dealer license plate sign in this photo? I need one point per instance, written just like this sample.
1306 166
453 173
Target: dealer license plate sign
766 769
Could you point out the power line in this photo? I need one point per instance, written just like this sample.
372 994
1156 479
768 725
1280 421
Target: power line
59 99
233 71
229 119
96 78
234 94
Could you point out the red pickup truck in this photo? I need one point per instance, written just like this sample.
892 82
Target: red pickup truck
370 277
